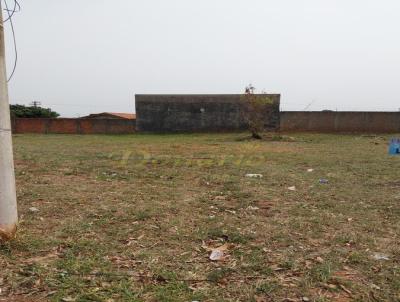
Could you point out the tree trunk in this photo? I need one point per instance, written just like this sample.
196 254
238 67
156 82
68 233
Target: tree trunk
256 135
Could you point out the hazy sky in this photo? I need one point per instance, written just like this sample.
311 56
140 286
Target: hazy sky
80 57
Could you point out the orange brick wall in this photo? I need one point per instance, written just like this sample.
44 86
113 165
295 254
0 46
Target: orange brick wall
73 126
341 121
334 122
66 126
29 126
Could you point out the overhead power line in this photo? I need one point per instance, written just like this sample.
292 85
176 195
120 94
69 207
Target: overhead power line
308 105
36 104
16 9
10 13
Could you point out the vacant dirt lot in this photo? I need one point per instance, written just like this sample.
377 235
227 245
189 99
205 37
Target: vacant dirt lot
135 218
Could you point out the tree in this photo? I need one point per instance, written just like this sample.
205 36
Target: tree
32 112
255 109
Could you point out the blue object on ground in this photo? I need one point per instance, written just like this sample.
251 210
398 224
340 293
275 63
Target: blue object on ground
323 181
394 146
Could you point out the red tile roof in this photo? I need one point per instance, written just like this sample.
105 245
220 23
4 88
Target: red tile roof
128 116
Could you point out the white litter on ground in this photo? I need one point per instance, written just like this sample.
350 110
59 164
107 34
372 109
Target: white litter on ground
254 175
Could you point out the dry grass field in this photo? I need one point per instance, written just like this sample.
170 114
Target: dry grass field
135 218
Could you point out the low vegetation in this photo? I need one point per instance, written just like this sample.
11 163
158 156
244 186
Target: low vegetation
254 110
135 218
22 111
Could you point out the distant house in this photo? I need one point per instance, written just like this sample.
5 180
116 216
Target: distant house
111 115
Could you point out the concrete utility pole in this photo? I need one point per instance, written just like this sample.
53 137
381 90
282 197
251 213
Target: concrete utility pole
8 199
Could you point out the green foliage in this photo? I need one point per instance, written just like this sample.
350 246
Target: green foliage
255 108
32 112
321 272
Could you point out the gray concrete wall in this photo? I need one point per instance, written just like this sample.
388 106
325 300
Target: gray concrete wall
196 113
363 122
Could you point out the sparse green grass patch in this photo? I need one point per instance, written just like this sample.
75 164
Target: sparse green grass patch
127 218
